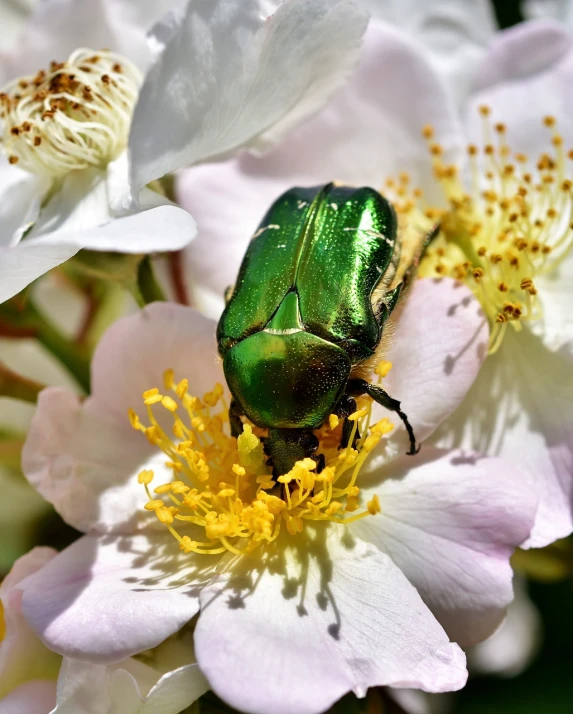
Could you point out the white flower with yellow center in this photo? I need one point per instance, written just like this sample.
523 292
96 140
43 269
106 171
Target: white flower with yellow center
311 585
507 218
220 80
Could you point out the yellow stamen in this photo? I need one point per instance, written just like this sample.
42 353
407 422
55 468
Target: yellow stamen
224 485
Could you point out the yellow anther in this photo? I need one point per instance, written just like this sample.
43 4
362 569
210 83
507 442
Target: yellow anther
428 131
179 488
357 415
374 505
226 492
133 419
549 121
382 368
163 488
333 421
239 470
150 393
153 399
145 477
371 441
169 404
181 388
154 505
165 515
168 377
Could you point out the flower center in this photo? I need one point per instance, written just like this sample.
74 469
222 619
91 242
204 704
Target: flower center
76 114
512 226
222 488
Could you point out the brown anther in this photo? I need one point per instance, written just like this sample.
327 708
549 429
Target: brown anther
508 169
521 158
436 149
37 140
546 249
527 178
484 110
417 193
477 273
13 159
15 131
513 217
570 154
513 261
535 247
508 308
502 287
117 68
105 78
495 258
428 131
557 140
489 212
549 121
26 126
521 191
551 213
500 128
488 149
23 84
566 185
440 268
516 312
500 317
481 251
526 283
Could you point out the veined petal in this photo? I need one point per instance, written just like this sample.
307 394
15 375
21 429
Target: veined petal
333 616
225 78
450 521
520 408
84 457
437 350
369 131
106 598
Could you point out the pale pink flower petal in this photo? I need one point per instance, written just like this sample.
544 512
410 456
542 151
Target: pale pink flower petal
22 656
84 456
450 521
534 59
437 349
104 599
34 697
521 409
370 130
301 630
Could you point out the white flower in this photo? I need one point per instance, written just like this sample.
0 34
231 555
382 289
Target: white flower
521 407
311 614
207 89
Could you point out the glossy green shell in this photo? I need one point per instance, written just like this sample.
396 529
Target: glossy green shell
301 315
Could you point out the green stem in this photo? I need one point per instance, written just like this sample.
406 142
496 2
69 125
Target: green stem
67 352
148 288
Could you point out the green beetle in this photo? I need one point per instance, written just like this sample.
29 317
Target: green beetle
318 281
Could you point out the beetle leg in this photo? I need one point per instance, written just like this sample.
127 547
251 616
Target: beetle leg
361 386
320 462
345 407
235 413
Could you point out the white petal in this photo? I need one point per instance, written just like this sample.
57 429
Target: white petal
20 196
129 687
22 655
225 79
521 408
22 264
533 59
84 457
34 697
455 34
105 598
555 291
437 349
450 521
369 131
305 627
79 215
57 28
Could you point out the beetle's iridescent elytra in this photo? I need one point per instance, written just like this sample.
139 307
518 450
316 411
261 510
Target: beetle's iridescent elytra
319 280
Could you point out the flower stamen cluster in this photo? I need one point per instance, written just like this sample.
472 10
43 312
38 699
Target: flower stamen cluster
514 224
74 115
223 492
